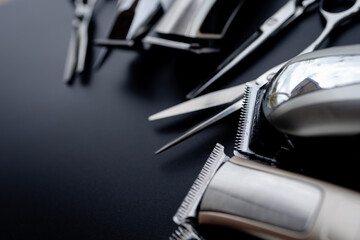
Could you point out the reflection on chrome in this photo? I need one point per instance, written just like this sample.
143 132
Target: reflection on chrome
302 77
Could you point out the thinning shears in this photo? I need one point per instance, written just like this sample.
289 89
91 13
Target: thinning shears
234 95
78 45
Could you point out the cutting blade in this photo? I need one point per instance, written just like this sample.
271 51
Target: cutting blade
282 18
227 111
209 100
72 54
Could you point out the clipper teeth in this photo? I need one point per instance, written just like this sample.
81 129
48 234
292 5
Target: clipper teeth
243 121
188 207
185 232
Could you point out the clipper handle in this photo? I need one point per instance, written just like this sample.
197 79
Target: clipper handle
270 202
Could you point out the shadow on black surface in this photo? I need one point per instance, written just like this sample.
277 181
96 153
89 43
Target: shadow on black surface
332 159
217 232
152 68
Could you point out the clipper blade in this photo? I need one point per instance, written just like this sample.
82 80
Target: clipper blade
189 206
253 137
246 119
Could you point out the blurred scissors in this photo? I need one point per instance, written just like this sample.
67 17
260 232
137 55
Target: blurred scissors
234 95
133 20
76 56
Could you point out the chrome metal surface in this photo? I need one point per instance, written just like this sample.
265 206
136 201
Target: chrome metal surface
144 13
78 45
185 18
166 4
262 196
232 108
192 47
246 119
236 105
125 11
188 208
71 58
334 18
205 101
283 17
317 94
114 43
133 19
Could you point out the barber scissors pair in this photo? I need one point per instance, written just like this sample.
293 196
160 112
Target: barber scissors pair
234 95
286 15
76 56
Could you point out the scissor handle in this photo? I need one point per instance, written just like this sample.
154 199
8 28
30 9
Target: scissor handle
333 19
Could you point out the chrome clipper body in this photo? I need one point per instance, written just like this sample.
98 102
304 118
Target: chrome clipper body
264 201
268 203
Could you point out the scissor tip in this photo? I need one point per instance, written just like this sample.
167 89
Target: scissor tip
173 143
152 117
190 95
67 80
160 150
169 145
196 92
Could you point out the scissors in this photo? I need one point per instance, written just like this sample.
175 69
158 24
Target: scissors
234 95
76 56
133 20
287 14
125 12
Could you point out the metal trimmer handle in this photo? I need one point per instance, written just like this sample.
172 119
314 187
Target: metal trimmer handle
270 202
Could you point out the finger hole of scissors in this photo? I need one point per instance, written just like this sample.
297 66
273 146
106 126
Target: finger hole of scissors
336 6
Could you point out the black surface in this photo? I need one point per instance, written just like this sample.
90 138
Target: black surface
77 161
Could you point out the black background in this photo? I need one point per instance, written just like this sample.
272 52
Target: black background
77 161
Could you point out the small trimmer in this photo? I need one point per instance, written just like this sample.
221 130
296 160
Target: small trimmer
264 201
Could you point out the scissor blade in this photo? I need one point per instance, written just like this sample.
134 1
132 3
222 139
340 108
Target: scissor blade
101 57
203 102
227 111
71 59
113 43
83 46
269 28
264 78
192 47
119 28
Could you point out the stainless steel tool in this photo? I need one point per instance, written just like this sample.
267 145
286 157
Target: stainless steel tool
188 23
76 56
133 20
334 13
317 94
264 201
287 14
234 95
